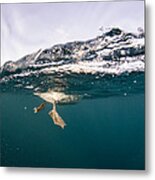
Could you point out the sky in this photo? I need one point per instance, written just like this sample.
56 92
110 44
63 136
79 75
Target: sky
25 28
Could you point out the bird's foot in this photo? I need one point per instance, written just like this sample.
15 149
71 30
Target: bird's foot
39 108
57 118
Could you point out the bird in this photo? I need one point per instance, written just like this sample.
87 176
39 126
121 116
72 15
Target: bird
54 97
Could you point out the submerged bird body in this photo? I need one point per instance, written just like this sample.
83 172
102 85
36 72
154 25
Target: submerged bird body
58 97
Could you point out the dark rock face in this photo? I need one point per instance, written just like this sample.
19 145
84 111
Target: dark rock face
10 66
113 45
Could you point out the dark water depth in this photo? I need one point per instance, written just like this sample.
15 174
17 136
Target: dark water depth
100 133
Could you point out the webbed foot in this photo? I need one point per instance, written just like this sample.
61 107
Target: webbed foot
56 117
39 108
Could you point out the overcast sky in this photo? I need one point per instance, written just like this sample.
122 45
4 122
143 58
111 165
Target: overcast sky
25 28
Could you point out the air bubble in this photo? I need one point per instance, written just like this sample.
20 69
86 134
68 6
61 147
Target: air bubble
17 148
134 81
25 108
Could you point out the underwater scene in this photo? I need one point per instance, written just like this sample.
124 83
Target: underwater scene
79 104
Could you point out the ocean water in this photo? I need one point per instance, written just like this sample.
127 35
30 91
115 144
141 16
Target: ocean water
102 82
100 133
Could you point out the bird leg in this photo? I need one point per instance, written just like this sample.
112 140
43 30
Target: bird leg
40 107
56 117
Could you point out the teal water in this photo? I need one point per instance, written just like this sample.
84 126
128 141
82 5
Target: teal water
100 133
